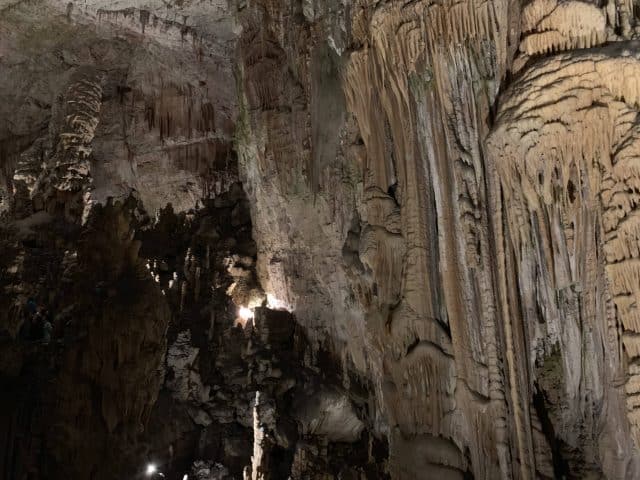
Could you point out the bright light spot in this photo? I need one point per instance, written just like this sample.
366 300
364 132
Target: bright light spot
186 477
151 469
276 304
245 313
272 302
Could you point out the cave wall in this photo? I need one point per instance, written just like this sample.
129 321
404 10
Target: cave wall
442 194
474 279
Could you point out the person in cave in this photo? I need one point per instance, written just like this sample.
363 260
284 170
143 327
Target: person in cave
47 328
101 290
31 306
37 325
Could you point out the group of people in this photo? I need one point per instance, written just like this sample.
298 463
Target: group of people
38 325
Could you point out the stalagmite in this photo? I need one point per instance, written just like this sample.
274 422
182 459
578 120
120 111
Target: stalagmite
257 467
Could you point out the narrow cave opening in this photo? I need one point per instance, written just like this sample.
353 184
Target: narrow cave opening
391 191
571 191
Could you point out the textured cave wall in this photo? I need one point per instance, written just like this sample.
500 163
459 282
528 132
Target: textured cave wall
161 117
571 208
443 194
122 213
84 397
488 287
412 287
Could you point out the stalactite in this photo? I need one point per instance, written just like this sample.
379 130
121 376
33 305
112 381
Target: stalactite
569 149
411 58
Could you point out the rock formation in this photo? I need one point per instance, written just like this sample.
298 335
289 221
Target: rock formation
319 239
